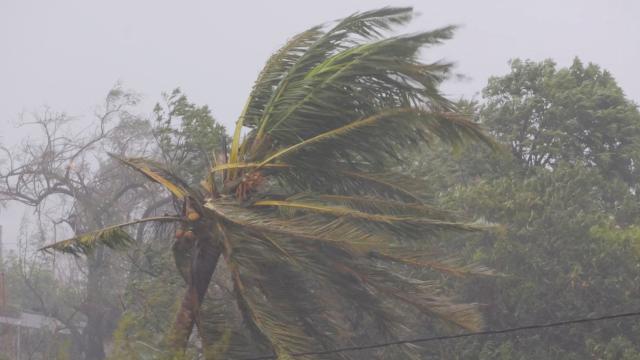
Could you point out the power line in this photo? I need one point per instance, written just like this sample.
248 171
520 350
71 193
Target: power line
458 336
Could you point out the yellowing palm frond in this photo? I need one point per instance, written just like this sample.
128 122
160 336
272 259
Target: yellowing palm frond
157 173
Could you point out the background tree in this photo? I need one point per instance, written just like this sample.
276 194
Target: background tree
573 114
568 202
72 185
187 135
68 181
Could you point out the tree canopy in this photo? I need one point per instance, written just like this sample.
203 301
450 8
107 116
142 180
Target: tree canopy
567 201
318 235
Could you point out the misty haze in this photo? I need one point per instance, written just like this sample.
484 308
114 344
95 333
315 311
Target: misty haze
319 180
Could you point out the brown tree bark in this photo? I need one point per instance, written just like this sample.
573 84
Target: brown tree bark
203 260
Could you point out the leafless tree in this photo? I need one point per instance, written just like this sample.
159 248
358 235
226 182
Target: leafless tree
61 176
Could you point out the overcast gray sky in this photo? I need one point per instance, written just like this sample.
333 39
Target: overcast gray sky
67 54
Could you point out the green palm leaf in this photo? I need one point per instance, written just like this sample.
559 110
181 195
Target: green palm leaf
430 224
113 237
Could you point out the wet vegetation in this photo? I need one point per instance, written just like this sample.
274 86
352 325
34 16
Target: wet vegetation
352 204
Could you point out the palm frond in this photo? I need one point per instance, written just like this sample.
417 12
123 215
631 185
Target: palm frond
230 165
366 25
304 228
382 183
158 173
422 295
223 334
273 72
293 304
451 266
387 206
321 179
113 237
377 218
345 129
340 235
284 335
340 69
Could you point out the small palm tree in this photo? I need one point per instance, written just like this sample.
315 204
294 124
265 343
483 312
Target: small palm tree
306 213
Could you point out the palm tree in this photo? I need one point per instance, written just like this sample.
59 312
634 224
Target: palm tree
307 213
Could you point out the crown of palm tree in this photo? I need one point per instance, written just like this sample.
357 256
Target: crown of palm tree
309 215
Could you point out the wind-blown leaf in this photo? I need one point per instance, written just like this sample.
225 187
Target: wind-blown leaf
304 228
114 237
226 166
379 218
285 337
450 266
350 181
157 173
368 121
366 25
386 206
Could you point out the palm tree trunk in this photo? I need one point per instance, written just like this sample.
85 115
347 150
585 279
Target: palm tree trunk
205 257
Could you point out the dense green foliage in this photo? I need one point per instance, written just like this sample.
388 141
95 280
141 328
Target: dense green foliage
575 114
188 136
566 196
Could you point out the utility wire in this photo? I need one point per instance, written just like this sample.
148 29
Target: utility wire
459 336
